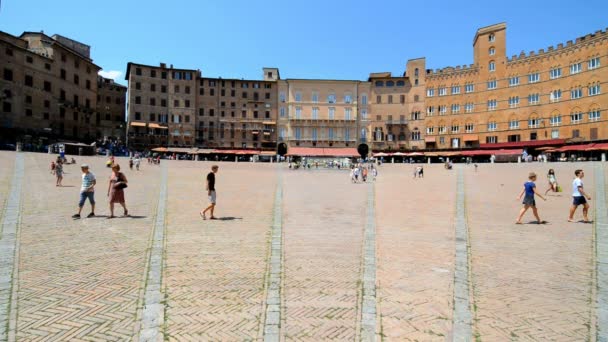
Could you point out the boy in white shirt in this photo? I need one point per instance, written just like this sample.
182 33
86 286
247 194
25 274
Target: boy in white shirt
578 197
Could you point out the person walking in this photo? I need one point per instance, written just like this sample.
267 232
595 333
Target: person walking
87 190
210 193
116 185
529 202
59 173
552 181
578 197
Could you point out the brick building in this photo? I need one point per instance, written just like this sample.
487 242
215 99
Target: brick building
162 105
111 101
545 95
237 113
396 118
49 88
179 107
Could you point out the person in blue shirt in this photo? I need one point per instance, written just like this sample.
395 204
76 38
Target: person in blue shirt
529 191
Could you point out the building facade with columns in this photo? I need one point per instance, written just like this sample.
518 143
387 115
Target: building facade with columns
551 94
323 113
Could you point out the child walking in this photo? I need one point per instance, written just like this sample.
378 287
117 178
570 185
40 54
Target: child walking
529 190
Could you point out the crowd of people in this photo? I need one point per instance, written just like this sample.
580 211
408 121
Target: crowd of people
360 172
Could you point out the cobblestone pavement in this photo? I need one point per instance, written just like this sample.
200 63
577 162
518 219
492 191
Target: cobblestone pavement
80 279
531 282
216 268
7 164
415 226
323 230
85 280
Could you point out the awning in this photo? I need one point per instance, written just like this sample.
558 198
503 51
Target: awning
159 149
268 153
154 125
138 124
180 149
470 137
430 139
381 154
322 152
522 144
236 151
203 151
415 154
571 148
266 133
598 147
269 123
492 152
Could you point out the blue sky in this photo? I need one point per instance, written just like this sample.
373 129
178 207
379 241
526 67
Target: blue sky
304 39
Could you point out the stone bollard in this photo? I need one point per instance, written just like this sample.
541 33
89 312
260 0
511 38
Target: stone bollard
603 157
428 161
49 149
519 159
80 151
107 153
392 160
19 147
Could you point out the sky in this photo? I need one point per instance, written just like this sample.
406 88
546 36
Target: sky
304 39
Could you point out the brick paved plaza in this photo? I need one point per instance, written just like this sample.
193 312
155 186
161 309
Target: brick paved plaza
300 255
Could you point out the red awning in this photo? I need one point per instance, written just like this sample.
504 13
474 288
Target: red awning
598 147
523 144
322 152
236 151
491 152
570 148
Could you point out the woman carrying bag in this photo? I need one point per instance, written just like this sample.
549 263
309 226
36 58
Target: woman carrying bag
116 186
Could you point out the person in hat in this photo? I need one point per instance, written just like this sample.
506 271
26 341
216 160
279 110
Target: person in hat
529 202
87 190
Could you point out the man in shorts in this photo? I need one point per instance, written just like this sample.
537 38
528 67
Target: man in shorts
87 190
578 197
210 193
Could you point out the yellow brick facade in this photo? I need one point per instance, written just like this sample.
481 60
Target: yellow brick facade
557 93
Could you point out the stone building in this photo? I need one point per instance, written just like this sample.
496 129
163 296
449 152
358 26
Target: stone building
323 113
48 87
552 94
162 105
111 102
237 113
396 118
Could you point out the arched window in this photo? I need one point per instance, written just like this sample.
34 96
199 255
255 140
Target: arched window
379 84
416 98
492 37
492 51
416 72
400 83
492 66
390 83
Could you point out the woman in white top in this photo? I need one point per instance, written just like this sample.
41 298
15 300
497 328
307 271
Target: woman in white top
552 181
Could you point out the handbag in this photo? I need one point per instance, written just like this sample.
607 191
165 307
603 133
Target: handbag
559 188
120 184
